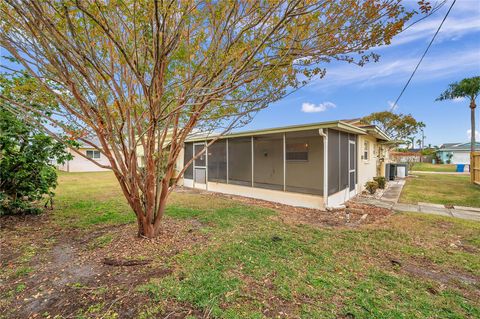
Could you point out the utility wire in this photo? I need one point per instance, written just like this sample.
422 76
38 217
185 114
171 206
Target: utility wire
424 54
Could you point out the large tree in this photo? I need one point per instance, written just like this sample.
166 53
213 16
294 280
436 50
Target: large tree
144 74
398 126
470 89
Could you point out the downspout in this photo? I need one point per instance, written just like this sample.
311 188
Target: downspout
325 166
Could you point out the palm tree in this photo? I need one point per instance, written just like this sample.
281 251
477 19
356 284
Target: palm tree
467 88
419 143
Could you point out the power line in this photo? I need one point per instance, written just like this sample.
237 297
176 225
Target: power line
424 53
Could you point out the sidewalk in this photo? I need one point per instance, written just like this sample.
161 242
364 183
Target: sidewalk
440 173
390 198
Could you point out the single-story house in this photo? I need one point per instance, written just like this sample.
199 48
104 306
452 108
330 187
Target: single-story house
455 153
81 164
314 165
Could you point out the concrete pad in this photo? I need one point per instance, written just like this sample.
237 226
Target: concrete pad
474 209
434 210
431 205
385 204
406 207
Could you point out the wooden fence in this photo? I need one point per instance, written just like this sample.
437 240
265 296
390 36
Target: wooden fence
475 167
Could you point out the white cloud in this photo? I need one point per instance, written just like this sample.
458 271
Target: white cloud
458 99
398 70
477 135
392 106
453 28
312 108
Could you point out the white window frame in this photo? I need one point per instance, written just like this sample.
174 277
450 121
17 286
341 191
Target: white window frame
95 154
366 150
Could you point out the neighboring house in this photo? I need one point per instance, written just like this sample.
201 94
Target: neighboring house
406 157
455 153
315 165
81 164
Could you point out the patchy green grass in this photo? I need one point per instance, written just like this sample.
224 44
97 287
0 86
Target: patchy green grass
441 189
269 265
250 264
89 199
428 167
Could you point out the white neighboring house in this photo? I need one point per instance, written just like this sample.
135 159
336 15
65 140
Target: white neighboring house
81 164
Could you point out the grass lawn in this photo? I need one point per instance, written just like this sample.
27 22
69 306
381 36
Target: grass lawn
441 189
220 258
428 167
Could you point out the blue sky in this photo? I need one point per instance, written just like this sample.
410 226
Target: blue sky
349 91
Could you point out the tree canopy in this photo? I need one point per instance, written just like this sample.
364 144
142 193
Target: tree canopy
398 126
145 74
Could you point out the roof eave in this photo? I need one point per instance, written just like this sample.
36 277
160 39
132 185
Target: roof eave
339 125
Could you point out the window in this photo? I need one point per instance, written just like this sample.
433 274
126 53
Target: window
93 154
297 152
366 150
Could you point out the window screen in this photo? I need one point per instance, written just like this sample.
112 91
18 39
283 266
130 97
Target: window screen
333 161
201 158
344 160
305 175
353 160
341 159
188 155
217 162
240 161
268 161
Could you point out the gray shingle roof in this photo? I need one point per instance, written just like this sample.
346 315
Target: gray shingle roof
458 146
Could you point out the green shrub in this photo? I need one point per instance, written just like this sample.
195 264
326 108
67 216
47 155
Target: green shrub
27 170
371 186
381 181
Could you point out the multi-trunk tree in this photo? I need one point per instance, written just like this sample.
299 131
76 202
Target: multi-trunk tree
145 74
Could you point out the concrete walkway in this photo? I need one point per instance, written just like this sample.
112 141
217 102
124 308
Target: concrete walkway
390 198
439 173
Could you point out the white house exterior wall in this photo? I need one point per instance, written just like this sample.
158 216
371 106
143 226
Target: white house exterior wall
460 157
81 164
367 169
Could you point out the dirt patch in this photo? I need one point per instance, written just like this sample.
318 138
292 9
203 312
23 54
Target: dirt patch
444 277
353 215
68 277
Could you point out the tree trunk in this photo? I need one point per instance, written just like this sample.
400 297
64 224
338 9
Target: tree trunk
145 229
150 227
473 130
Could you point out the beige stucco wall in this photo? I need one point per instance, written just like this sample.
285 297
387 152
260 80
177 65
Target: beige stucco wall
81 164
367 169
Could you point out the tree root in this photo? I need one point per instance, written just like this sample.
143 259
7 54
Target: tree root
130 262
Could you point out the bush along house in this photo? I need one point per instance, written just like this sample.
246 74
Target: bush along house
320 165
